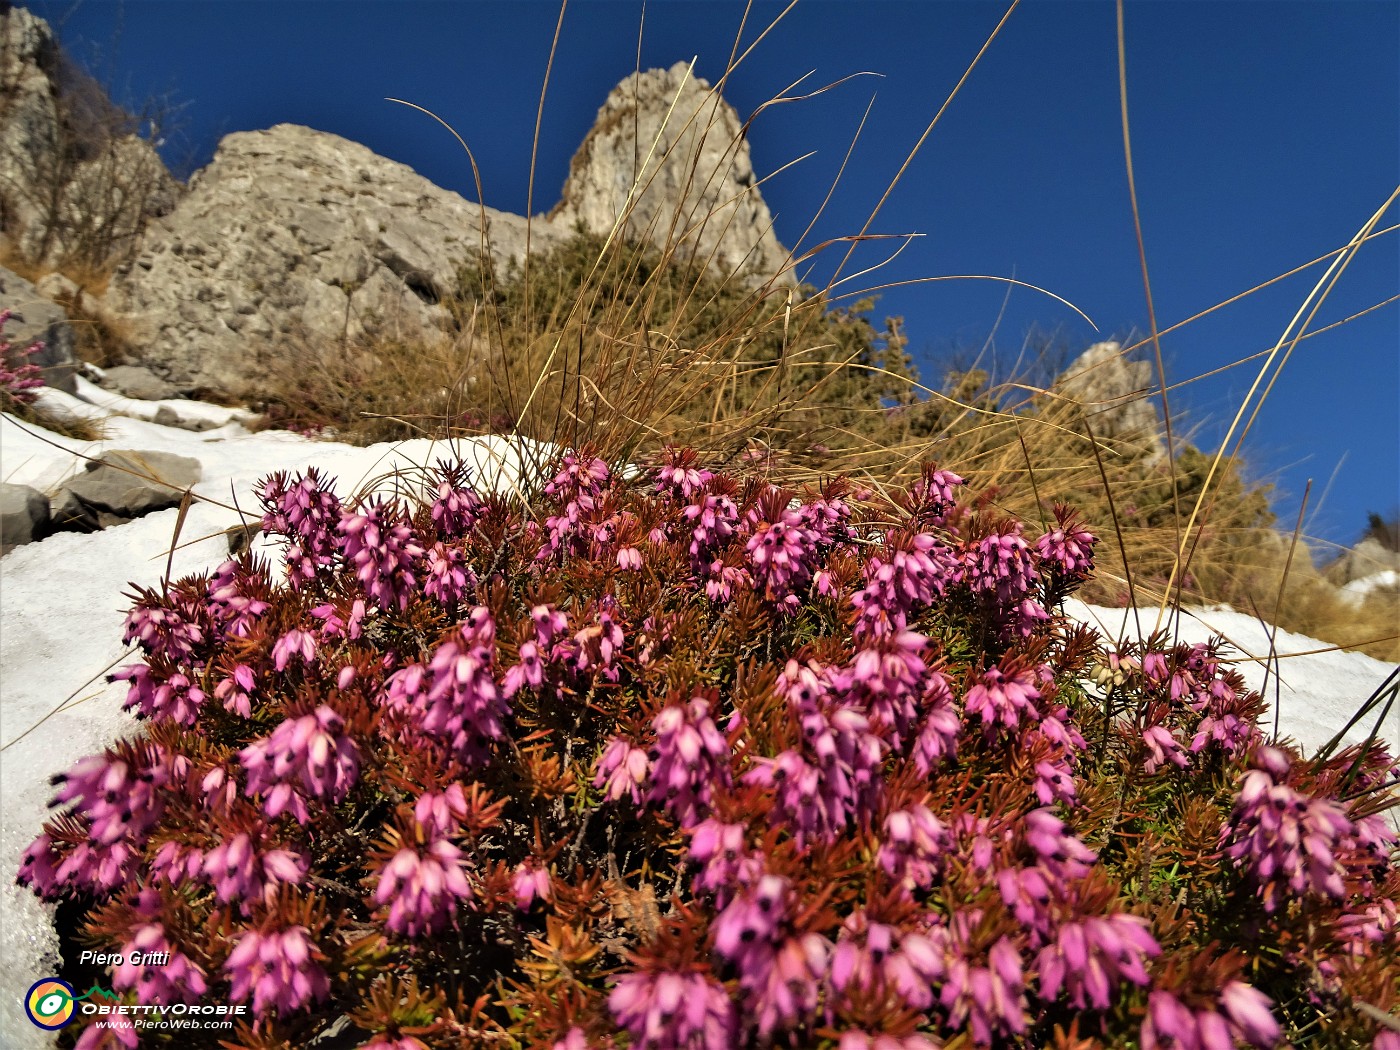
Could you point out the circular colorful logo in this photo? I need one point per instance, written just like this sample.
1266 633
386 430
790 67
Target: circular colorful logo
49 1003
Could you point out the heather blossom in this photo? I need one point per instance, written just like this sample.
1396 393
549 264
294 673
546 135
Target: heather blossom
304 758
1091 957
690 760
674 1011
381 548
19 381
1002 699
1286 842
423 886
278 969
178 979
241 874
622 770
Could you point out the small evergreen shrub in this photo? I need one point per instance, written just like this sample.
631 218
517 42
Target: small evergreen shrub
19 377
681 759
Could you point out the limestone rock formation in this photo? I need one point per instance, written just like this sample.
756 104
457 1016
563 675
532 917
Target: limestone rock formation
1113 391
293 237
669 150
24 515
1368 558
296 235
34 317
122 485
75 183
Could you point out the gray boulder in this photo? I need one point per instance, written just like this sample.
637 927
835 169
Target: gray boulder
68 514
1368 558
293 236
1114 394
75 184
137 381
695 187
24 515
34 317
124 484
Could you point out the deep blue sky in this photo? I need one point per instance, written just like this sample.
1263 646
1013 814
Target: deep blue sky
1264 135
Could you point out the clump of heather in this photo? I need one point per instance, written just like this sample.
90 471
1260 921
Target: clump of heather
19 377
686 760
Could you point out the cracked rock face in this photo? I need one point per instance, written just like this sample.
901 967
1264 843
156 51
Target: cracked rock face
292 233
293 238
669 143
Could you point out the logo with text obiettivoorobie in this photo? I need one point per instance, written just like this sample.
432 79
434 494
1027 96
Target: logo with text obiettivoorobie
50 1003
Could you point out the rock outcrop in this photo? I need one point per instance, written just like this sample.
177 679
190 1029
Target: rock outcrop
24 515
32 317
293 237
670 152
123 485
75 184
296 235
1114 393
1367 559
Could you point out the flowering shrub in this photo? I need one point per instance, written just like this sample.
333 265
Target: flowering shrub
18 377
692 761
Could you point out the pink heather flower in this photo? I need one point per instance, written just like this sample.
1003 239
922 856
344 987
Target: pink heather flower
1054 782
167 626
937 738
379 544
932 496
307 512
457 508
1090 958
381 1041
174 699
1251 1014
889 677
334 626
1286 842
1386 1040
1170 1024
96 1037
781 550
240 874
298 643
422 888
622 770
176 980
999 699
913 844
1068 550
277 969
723 580
574 1039
680 474
855 1039
20 380
784 984
440 813
1000 565
236 691
870 955
987 996
176 864
448 579
596 645
455 698
530 883
713 519
1154 667
306 757
229 604
120 804
1162 749
834 777
721 852
906 576
674 1011
629 559
753 918
1058 851
691 759
529 671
